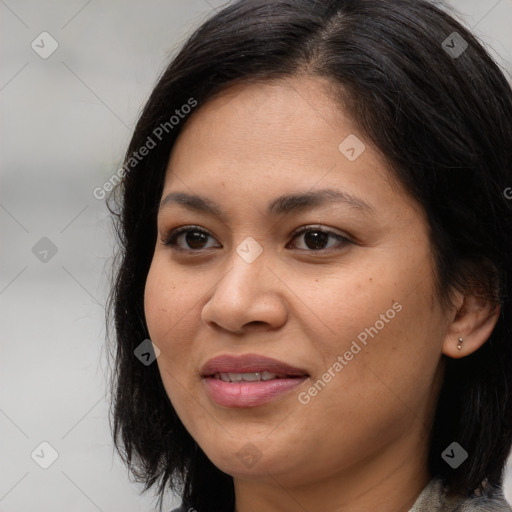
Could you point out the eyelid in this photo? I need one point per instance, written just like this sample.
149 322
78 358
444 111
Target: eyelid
319 227
341 238
170 236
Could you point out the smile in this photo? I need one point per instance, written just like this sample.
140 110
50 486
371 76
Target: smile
248 377
243 393
248 380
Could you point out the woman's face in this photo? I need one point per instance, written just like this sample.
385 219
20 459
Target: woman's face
302 248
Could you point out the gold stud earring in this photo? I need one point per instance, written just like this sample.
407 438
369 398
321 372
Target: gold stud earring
459 346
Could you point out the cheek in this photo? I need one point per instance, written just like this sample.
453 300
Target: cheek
167 313
156 307
389 358
157 303
168 299
172 306
386 330
361 305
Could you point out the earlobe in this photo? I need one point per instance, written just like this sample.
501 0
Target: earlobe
471 327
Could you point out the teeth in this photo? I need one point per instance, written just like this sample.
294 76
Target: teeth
246 377
250 377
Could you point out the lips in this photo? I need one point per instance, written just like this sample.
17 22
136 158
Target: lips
249 380
250 364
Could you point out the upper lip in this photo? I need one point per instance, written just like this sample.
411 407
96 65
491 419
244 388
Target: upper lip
249 363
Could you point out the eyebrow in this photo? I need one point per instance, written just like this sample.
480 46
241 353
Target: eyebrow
282 205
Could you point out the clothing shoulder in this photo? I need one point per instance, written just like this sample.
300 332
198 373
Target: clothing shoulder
434 499
483 504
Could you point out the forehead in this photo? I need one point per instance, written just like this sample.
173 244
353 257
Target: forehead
295 108
264 139
294 117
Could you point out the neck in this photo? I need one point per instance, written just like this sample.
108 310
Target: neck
390 482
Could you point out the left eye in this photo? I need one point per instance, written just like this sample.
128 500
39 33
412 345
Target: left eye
314 239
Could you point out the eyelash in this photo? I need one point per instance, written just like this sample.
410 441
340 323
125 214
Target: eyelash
170 239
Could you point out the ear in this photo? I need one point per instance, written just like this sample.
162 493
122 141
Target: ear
473 319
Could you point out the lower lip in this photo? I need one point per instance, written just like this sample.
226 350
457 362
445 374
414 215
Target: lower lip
248 394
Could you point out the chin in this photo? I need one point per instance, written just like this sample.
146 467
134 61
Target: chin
247 463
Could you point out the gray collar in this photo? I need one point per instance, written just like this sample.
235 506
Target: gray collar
433 499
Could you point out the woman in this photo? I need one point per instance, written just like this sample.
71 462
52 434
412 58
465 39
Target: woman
316 239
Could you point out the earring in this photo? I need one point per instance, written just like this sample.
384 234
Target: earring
459 346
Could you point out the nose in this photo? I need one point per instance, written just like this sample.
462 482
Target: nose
248 296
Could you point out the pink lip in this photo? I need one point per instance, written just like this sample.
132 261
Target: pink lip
248 363
249 394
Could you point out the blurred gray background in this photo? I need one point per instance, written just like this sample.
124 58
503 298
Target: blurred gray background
66 118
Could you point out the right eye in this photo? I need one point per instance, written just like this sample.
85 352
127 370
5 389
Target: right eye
194 237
